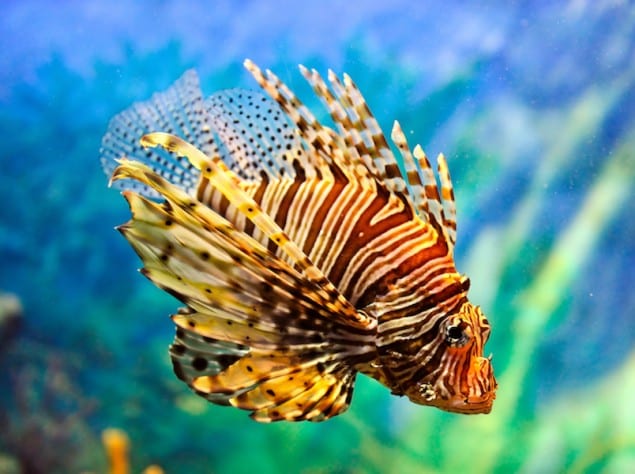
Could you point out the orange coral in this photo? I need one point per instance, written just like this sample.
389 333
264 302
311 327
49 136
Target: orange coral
117 447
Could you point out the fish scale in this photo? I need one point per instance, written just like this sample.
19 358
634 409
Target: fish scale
304 255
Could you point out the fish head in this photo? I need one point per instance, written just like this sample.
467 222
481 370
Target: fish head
461 379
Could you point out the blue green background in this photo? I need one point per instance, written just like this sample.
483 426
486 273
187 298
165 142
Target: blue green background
533 103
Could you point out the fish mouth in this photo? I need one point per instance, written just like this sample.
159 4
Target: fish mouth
468 405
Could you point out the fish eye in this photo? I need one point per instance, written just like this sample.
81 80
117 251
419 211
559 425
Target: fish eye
457 334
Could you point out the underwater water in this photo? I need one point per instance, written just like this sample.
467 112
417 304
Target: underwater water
532 103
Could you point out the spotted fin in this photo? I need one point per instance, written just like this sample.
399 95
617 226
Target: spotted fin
179 110
285 384
256 333
256 133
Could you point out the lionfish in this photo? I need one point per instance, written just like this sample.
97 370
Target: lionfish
303 254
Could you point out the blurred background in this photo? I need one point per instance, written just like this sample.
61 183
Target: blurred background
533 104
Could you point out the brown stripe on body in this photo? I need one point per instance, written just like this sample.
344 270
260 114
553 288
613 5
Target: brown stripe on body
423 297
380 287
321 215
417 365
414 371
344 214
426 360
363 233
307 202
385 253
426 304
203 189
207 194
282 212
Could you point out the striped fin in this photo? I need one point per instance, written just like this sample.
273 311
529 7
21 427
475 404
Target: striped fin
179 110
423 188
357 157
352 116
222 179
255 334
371 143
447 199
356 123
371 132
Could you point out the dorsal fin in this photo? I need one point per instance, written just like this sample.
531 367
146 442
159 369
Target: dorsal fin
430 200
319 139
361 149
447 198
251 134
356 157
256 133
367 145
181 111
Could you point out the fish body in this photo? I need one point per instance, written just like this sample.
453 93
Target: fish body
303 254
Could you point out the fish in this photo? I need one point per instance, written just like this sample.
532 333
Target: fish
304 254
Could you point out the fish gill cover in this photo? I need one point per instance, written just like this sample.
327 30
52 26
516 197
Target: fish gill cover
538 134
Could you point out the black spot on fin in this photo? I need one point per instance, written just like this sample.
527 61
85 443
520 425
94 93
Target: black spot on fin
194 356
256 133
180 110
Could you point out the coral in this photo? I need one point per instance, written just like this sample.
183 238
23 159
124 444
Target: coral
117 446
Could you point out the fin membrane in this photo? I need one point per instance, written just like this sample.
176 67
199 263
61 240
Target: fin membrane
179 110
